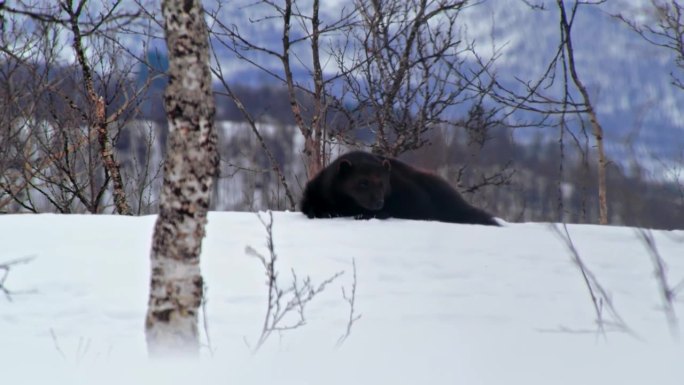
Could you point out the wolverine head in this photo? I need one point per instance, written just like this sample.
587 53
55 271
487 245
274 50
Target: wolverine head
365 179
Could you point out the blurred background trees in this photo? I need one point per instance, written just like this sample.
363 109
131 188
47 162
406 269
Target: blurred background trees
412 79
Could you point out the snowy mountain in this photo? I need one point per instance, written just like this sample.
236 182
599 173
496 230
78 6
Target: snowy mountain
628 79
439 303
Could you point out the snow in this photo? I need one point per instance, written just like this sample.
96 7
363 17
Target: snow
440 303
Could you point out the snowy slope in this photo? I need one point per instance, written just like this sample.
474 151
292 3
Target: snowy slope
440 303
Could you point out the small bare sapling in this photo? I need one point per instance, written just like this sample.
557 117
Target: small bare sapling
286 304
5 267
351 300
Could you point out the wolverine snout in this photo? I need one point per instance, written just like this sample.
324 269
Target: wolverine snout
378 204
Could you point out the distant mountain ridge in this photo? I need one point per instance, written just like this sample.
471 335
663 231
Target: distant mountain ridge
628 79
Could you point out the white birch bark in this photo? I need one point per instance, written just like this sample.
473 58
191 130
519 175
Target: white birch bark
191 164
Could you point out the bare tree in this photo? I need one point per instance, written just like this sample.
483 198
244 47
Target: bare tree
301 31
176 285
285 301
407 70
97 106
395 68
666 30
555 104
597 130
62 120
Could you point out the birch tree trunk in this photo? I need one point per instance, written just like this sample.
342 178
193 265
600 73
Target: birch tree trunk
597 129
99 125
191 164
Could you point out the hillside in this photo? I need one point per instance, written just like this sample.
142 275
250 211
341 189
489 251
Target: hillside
439 303
628 79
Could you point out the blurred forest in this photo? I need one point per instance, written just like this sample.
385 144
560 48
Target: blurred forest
82 119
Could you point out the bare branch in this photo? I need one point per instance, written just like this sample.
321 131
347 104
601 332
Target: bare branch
600 298
665 31
6 267
667 293
283 302
205 321
252 124
351 300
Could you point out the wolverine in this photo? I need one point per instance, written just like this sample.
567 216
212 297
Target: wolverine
363 185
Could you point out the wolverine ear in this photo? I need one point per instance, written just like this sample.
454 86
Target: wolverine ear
387 165
344 166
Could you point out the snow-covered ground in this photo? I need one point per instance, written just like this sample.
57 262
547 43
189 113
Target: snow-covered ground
439 303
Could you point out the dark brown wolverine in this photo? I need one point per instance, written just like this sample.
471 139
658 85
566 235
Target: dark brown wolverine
362 185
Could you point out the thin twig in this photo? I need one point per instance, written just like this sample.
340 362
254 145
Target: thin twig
351 300
6 267
275 167
205 321
667 293
56 342
599 296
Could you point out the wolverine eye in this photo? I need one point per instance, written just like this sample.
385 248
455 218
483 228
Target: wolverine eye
363 184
